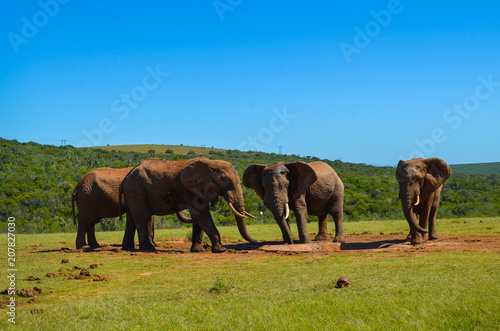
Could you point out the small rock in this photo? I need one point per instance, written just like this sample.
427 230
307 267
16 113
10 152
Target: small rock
64 261
343 282
93 266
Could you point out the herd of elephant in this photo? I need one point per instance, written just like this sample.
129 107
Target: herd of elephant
159 187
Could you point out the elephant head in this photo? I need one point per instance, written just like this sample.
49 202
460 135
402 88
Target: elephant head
278 185
205 180
417 179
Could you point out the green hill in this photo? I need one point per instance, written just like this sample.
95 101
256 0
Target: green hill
160 149
36 182
491 168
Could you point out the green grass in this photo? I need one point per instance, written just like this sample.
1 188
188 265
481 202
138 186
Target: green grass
411 291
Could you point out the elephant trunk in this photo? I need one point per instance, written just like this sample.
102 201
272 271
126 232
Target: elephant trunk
281 213
408 201
237 205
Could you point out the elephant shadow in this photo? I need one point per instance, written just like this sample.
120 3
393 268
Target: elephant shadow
372 245
349 246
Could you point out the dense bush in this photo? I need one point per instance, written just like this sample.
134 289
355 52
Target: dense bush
36 182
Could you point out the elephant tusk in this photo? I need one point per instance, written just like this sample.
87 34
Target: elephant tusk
395 202
287 211
181 215
418 200
237 213
249 215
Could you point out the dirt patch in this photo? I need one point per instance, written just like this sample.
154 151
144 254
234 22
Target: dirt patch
365 243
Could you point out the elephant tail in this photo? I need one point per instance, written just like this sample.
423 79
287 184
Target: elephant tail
120 193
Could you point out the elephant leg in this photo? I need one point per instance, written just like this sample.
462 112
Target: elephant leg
91 237
322 228
205 221
197 239
432 215
144 226
300 212
128 238
337 212
424 209
416 236
151 230
83 221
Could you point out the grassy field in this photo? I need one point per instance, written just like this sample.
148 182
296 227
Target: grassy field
410 291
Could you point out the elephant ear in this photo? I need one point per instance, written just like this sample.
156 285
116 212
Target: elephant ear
198 178
438 172
398 168
301 177
252 178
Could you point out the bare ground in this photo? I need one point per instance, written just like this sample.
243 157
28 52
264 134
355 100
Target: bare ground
366 243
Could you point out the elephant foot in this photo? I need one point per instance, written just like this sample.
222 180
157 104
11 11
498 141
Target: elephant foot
86 248
305 240
433 237
322 237
339 239
218 249
418 238
96 245
197 248
147 248
80 245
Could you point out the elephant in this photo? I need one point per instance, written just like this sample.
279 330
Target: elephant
307 189
97 196
420 184
159 187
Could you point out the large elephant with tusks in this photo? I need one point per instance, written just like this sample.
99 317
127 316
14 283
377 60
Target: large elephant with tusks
160 187
420 184
306 189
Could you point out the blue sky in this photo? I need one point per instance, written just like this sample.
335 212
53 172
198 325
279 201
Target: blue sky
370 82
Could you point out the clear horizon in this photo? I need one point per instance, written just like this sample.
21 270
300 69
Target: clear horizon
365 83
